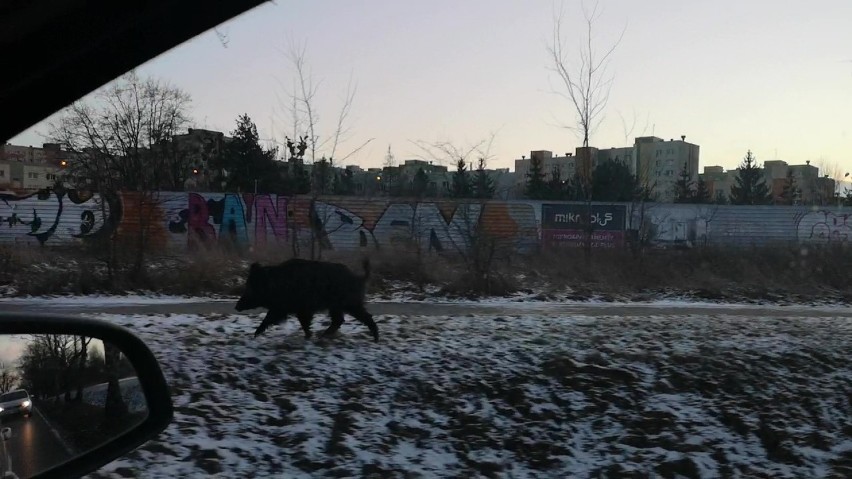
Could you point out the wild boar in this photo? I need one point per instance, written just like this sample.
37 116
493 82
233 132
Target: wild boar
304 288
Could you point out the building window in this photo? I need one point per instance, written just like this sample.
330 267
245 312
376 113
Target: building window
2 173
659 152
33 176
658 162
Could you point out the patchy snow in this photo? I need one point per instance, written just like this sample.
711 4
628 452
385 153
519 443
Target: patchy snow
503 396
544 294
131 392
534 301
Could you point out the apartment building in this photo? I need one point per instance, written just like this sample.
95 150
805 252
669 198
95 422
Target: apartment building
29 168
659 164
811 188
656 161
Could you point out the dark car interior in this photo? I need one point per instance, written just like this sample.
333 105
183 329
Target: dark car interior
56 51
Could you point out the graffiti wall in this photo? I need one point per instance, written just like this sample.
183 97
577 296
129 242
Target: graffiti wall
247 221
190 221
55 217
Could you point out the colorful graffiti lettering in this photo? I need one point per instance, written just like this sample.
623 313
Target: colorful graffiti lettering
348 223
188 221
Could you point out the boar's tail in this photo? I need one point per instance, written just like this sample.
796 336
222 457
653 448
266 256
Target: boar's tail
365 263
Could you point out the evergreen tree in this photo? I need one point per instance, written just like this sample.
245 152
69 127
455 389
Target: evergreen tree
322 174
536 188
420 183
298 178
335 183
246 161
483 186
750 186
684 187
847 197
461 187
702 194
613 181
790 192
557 187
347 182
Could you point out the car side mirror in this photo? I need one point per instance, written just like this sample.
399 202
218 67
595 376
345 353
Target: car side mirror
75 394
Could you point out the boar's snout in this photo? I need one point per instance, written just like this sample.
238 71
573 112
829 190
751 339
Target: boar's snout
246 301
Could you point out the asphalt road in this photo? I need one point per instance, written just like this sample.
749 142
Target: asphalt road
33 446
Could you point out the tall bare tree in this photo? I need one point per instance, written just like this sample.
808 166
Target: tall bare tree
629 128
304 116
585 84
121 140
119 135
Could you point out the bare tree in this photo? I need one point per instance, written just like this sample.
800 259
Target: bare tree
629 128
114 405
119 135
81 352
586 86
389 176
304 117
446 152
833 170
50 365
8 378
121 140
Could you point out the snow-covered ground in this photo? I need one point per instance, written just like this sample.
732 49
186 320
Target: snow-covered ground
131 392
519 300
503 396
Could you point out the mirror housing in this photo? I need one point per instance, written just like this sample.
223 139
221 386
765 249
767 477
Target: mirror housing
150 377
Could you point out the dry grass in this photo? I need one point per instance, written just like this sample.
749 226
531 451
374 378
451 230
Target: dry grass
756 273
713 273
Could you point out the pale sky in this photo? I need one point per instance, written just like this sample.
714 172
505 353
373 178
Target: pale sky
771 76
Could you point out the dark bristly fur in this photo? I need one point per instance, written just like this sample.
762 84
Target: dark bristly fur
304 288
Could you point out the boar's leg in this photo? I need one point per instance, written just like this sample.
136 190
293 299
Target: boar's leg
272 317
366 318
305 319
336 322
